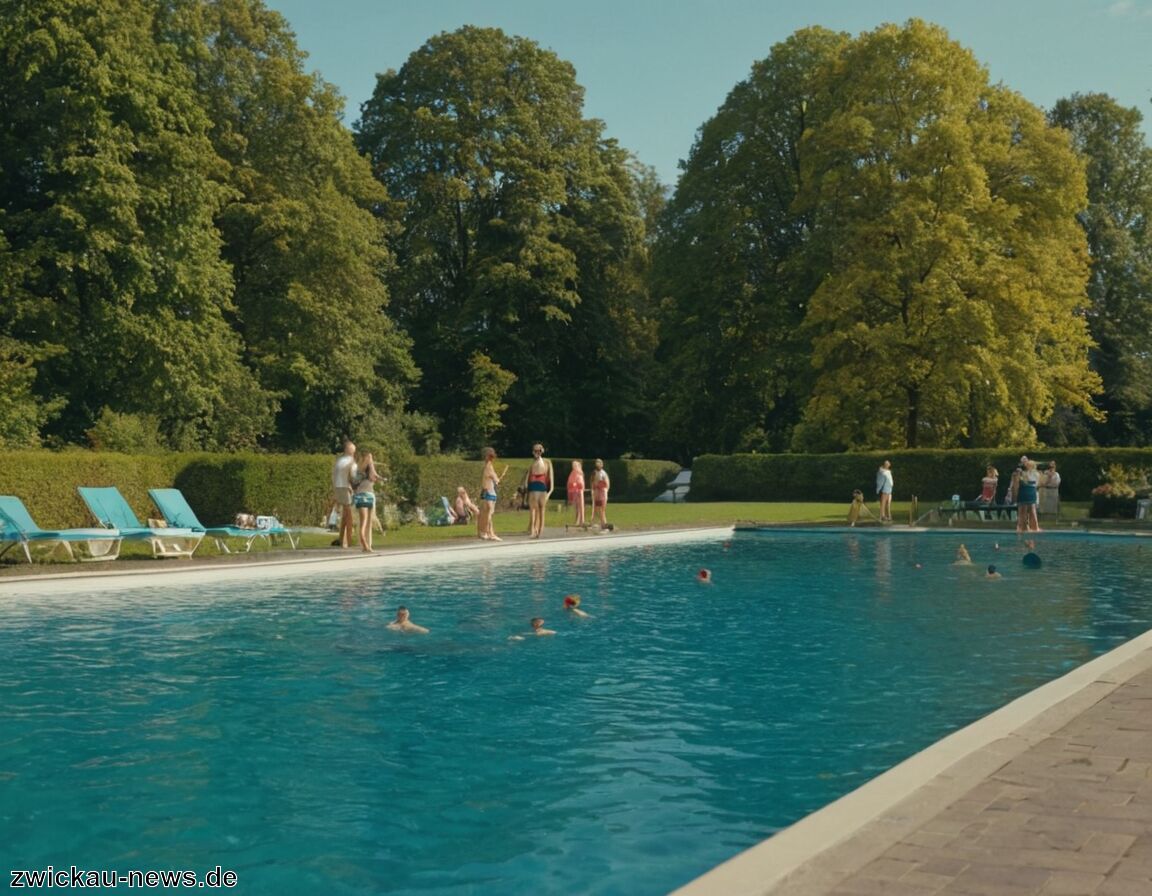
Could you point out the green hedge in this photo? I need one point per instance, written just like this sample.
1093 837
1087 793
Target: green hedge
932 476
294 487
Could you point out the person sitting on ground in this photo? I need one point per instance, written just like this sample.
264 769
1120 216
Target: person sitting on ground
857 507
403 624
988 486
463 507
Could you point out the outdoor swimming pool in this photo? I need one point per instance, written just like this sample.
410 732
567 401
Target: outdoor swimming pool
273 726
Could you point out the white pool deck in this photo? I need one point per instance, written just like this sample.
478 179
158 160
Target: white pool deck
1049 795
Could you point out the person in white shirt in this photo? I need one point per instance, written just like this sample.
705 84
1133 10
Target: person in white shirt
342 472
1050 491
884 491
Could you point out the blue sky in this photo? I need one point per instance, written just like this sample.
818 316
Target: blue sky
655 70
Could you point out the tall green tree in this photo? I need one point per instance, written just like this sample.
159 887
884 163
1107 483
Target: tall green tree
304 228
1118 226
112 275
731 302
520 223
950 265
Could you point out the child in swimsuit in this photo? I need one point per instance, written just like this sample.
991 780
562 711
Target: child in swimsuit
576 490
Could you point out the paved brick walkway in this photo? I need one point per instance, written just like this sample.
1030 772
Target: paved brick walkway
1050 795
1069 816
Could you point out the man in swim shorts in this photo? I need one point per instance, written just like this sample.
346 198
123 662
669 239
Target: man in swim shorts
342 472
539 485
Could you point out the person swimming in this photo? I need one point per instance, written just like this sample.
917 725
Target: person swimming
993 573
962 557
572 605
403 624
538 627
704 577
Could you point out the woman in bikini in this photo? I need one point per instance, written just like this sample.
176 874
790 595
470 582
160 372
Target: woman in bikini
488 483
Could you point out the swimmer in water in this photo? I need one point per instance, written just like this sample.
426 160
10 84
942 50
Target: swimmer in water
572 605
962 557
704 577
538 627
403 624
993 573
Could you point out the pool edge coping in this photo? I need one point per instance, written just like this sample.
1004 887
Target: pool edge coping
89 577
817 852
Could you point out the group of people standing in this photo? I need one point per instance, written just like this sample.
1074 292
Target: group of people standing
354 478
539 483
1031 491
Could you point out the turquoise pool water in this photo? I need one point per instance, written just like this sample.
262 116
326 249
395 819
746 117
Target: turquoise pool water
278 729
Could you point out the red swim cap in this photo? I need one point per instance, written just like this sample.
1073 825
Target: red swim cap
704 575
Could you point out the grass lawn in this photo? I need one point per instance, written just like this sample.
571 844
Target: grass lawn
640 517
625 517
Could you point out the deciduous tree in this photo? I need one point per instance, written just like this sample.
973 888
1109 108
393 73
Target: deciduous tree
519 221
305 230
108 190
731 298
949 262
1117 224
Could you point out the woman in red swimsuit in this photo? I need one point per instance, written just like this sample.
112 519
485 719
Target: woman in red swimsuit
576 491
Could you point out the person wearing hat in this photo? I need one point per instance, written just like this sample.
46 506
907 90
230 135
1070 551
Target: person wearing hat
572 606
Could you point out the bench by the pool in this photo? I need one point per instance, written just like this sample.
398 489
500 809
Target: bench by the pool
17 528
982 511
110 509
176 510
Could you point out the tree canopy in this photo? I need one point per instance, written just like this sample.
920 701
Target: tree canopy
1117 226
188 232
870 246
112 271
927 266
520 227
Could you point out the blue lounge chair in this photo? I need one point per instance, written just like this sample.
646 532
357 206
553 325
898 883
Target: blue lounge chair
18 528
176 511
110 509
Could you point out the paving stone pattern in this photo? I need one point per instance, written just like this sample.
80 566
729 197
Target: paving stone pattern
1070 816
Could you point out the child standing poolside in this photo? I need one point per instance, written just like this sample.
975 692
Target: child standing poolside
576 491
